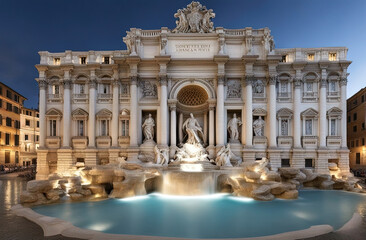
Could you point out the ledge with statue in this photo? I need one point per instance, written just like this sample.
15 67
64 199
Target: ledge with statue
191 172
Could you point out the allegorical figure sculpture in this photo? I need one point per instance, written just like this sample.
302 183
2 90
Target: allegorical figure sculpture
232 128
258 126
161 156
193 129
148 128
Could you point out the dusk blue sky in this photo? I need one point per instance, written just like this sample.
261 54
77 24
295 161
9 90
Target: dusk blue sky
31 26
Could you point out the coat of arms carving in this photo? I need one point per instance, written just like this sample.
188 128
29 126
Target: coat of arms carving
194 19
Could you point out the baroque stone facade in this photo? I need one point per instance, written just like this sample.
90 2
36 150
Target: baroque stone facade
291 103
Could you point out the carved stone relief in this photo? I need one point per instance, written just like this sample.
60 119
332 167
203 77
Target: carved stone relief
233 89
148 89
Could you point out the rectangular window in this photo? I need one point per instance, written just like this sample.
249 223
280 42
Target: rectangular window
16 140
285 58
1 90
332 56
53 125
311 57
309 87
55 89
9 94
81 88
309 127
357 143
363 98
349 119
17 124
16 157
7 139
358 158
284 127
82 60
352 144
363 141
332 86
308 162
16 110
363 126
104 127
16 98
27 122
37 124
106 60
285 162
333 127
125 126
1 103
26 137
8 122
37 138
9 107
354 116
355 128
80 124
56 61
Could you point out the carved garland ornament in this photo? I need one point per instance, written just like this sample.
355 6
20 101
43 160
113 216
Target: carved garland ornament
194 19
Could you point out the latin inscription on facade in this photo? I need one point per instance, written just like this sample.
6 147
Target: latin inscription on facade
192 48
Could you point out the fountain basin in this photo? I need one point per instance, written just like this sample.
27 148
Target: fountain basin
213 216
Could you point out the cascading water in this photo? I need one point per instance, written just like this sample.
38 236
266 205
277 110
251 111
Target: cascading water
189 183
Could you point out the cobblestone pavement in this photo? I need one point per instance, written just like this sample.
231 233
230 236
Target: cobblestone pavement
18 228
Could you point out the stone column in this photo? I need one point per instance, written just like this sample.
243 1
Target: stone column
133 112
180 127
42 112
271 107
163 111
248 111
296 117
243 126
323 127
66 114
92 103
343 85
173 122
115 113
211 125
205 127
220 112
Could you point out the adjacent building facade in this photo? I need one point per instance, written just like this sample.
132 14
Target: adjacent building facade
11 104
29 136
93 104
356 132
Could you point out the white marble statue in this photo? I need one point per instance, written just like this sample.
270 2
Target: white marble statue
161 156
258 126
224 157
148 128
193 129
121 161
232 128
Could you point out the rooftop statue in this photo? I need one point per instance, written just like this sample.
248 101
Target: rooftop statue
194 19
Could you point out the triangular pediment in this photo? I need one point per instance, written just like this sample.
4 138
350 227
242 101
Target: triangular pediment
79 112
310 112
53 112
259 112
334 111
284 112
104 113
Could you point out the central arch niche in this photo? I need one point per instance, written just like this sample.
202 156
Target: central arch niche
192 95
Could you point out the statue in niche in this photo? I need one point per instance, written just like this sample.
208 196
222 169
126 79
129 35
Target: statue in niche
232 128
258 126
193 129
148 128
258 87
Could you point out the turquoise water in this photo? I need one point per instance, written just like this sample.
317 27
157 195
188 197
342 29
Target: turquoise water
212 216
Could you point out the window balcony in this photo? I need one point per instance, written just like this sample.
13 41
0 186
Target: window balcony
123 140
54 97
259 142
334 142
309 142
53 142
284 141
80 142
310 96
105 97
259 97
104 141
333 96
284 96
80 98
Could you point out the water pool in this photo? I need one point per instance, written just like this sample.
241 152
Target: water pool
212 216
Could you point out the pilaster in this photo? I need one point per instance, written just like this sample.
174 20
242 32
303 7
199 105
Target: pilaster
43 169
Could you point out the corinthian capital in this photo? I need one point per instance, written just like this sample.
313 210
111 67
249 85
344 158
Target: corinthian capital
67 84
249 79
344 81
221 79
134 80
297 82
273 79
42 83
163 79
